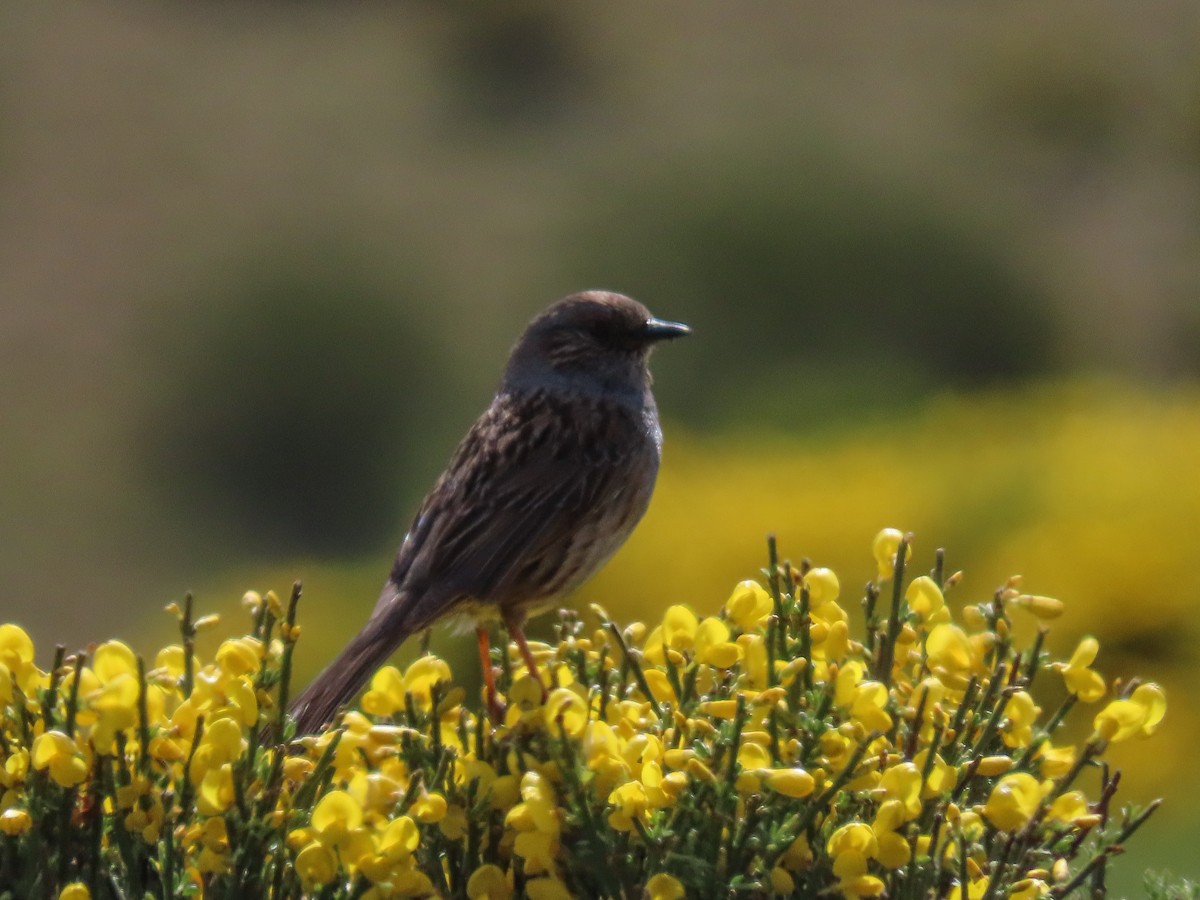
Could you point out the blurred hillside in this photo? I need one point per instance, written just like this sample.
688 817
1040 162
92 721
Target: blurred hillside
260 266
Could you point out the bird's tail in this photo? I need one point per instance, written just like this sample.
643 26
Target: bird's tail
342 678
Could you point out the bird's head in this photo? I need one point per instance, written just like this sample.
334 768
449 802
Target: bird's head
595 338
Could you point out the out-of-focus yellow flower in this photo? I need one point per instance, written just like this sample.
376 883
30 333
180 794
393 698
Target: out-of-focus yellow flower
902 783
713 646
1042 607
866 700
823 586
941 775
991 766
113 694
385 696
679 626
316 865
56 752
949 648
16 648
748 605
892 850
1013 801
629 802
851 847
422 675
76 890
1022 715
488 882
240 656
1080 679
791 782
885 548
566 709
1068 807
335 817
977 889
14 822
853 842
1136 716
924 597
798 856
399 840
664 887
428 808
1029 889
1056 761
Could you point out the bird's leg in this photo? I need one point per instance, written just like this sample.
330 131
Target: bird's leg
516 629
495 708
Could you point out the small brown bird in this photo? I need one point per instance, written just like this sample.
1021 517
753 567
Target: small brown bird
544 488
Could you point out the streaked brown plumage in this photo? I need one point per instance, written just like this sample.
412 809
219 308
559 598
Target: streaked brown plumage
543 489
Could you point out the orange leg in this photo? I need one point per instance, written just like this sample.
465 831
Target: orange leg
495 710
518 634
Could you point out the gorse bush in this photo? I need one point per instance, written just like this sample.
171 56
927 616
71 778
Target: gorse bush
771 749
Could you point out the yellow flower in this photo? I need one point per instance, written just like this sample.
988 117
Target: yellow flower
55 751
1013 801
713 647
630 802
925 598
1081 680
976 889
949 648
885 548
1042 607
15 821
902 783
1029 889
399 840
782 882
867 700
991 766
1021 715
851 846
1068 807
823 586
1056 761
488 882
748 605
892 849
798 856
16 647
565 709
335 816
422 675
240 656
754 660
1137 716
385 696
316 865
791 782
76 890
679 628
664 887
941 775
428 808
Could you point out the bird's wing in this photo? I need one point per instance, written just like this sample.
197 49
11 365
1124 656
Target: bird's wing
511 498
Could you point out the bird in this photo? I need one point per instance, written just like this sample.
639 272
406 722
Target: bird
543 489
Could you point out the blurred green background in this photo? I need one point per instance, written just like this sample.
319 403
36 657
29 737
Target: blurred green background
260 266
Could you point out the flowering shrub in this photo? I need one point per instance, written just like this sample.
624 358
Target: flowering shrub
767 750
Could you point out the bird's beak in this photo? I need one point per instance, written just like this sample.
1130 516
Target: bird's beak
657 330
